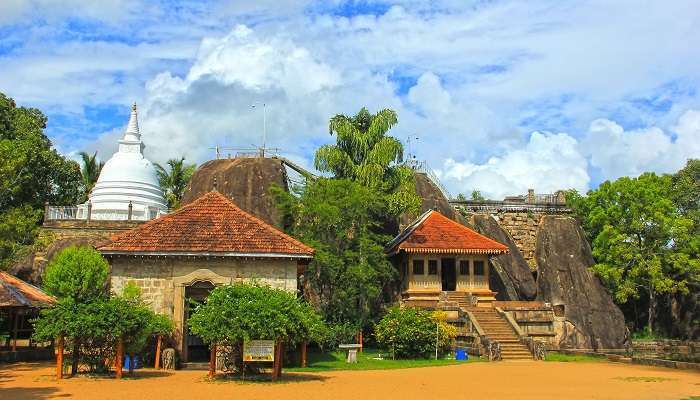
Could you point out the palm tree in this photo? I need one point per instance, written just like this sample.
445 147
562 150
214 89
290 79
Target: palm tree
174 181
90 170
364 153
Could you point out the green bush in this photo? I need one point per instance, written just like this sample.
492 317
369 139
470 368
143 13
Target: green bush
239 312
411 332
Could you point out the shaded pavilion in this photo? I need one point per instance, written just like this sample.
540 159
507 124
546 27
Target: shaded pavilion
19 303
438 258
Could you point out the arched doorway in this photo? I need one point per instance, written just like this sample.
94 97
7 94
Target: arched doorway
195 349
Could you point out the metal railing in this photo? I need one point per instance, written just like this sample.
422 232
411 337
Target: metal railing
506 206
422 166
84 212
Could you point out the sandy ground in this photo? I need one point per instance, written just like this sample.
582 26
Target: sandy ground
503 380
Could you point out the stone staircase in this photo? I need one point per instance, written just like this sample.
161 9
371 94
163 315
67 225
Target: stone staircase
496 328
458 297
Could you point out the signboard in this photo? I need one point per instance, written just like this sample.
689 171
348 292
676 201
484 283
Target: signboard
259 350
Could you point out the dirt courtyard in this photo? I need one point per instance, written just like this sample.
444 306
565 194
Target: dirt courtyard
503 380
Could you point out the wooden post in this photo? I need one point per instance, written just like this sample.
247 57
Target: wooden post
131 210
159 340
361 341
59 358
119 359
303 354
212 361
15 324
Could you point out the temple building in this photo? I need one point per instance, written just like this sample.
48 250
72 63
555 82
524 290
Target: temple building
437 257
127 187
183 255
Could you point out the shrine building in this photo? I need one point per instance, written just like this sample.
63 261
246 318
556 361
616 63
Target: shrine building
180 257
439 258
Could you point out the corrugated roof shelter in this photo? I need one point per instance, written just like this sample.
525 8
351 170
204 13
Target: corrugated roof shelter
20 301
435 255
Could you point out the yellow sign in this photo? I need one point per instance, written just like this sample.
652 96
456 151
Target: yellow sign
259 350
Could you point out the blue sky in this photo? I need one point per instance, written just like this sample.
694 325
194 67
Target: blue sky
503 95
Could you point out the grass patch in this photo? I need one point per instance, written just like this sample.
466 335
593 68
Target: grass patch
369 359
643 379
572 358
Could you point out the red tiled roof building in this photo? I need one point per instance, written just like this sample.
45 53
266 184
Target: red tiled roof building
182 256
438 256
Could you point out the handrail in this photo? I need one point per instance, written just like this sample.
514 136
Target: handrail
475 324
512 322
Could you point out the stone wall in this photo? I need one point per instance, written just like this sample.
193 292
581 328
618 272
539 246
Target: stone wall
164 279
56 235
522 227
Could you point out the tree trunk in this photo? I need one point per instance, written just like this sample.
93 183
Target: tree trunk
212 361
158 343
652 310
59 357
131 363
76 357
119 359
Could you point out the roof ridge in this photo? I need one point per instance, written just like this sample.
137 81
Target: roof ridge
265 224
224 216
471 230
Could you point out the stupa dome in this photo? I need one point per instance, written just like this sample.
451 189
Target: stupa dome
128 177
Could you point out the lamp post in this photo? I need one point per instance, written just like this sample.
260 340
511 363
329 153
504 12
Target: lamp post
264 137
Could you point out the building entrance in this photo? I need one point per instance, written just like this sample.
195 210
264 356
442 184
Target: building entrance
449 275
195 294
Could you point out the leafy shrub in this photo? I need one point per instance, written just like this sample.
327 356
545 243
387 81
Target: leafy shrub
411 332
239 312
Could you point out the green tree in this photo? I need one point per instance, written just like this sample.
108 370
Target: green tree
18 230
477 196
340 219
31 173
412 332
685 191
364 153
77 273
90 170
640 241
173 180
239 312
78 278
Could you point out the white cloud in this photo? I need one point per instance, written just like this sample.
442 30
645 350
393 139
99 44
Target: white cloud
617 152
478 87
548 162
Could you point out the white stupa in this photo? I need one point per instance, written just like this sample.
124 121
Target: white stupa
128 177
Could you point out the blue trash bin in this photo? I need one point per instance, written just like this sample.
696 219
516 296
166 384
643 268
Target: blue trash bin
127 362
461 355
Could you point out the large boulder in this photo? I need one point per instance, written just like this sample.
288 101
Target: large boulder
31 267
564 278
246 181
514 280
432 199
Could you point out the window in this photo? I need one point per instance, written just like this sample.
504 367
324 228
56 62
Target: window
432 267
464 267
418 267
478 267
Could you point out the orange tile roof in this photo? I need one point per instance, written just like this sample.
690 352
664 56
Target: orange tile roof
15 292
211 225
435 233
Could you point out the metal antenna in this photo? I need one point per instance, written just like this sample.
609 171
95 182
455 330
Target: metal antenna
218 151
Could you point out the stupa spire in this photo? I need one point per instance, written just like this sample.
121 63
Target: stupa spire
132 130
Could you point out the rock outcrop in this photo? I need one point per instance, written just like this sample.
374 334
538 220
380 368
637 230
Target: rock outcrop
246 181
592 320
432 199
514 280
